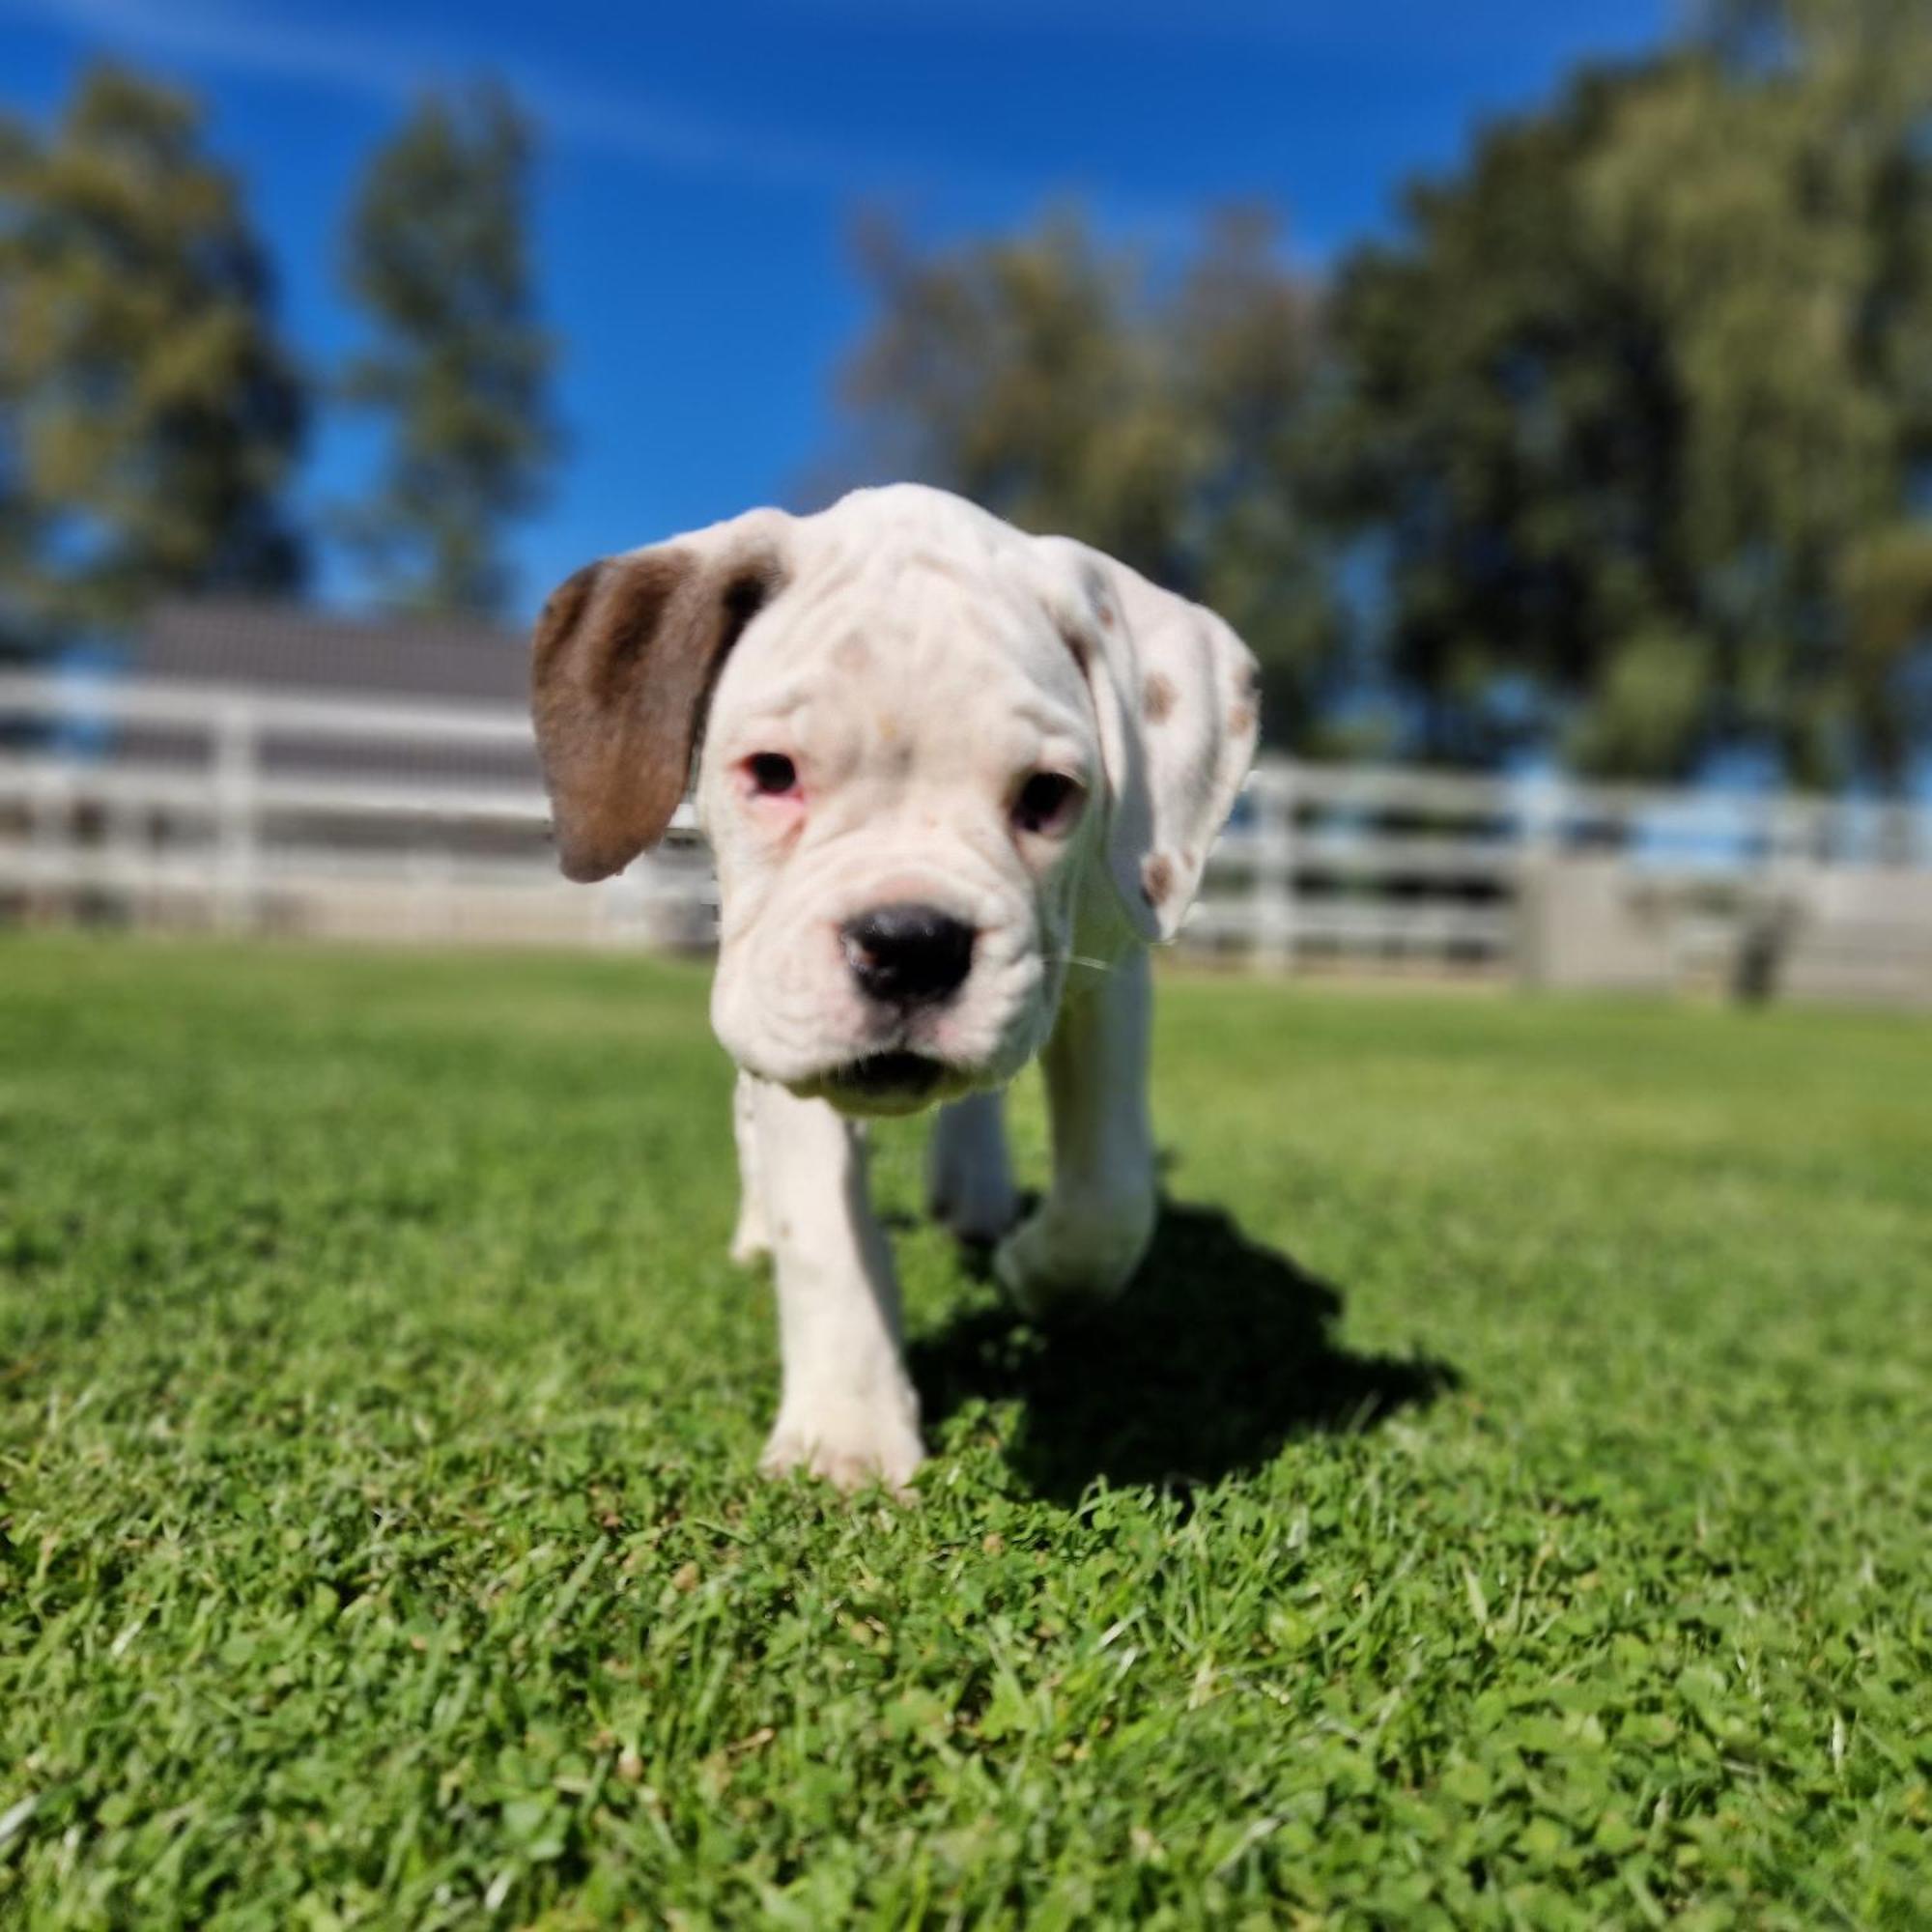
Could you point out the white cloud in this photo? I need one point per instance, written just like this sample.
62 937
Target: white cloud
621 123
628 125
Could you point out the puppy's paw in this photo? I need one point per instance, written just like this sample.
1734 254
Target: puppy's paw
1071 1258
969 1182
748 1245
974 1205
850 1444
750 1239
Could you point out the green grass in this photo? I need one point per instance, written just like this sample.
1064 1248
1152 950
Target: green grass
1547 1543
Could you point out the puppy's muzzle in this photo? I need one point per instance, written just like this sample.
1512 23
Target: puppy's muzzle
908 955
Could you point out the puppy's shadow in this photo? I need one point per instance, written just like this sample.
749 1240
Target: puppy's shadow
1216 1356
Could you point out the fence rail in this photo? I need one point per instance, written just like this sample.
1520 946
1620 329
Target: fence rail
245 808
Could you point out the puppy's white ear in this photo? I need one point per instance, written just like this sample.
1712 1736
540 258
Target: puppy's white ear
625 656
1177 695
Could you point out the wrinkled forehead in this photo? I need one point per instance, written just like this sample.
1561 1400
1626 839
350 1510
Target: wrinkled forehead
948 657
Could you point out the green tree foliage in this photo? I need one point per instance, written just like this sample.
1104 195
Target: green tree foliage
1064 386
1639 404
1631 426
148 415
458 372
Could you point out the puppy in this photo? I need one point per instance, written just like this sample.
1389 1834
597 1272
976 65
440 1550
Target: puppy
956 779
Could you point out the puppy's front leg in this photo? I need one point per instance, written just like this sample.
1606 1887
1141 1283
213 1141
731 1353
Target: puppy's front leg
848 1411
750 1242
969 1179
1087 1236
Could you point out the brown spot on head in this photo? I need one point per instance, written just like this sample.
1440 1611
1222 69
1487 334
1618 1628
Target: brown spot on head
850 654
1158 697
1242 719
1156 877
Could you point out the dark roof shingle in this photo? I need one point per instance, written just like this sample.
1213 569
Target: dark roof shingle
287 647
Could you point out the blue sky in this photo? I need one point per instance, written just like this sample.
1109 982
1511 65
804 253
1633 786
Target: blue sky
701 166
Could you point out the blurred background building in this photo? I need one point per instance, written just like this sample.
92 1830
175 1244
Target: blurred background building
1548 402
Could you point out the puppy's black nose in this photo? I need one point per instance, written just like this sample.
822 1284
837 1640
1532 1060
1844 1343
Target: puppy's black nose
910 955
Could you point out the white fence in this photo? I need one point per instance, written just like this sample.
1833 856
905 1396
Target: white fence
250 808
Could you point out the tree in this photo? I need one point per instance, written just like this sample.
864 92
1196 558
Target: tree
436 256
1638 406
1064 386
1863 69
149 415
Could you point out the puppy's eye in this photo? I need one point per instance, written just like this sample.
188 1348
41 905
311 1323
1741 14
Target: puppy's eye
770 774
1049 802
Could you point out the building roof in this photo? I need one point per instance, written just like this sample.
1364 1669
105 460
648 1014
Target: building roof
290 647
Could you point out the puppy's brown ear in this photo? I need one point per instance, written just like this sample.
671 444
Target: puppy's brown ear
625 657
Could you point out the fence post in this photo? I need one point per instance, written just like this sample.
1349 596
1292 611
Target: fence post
51 820
237 753
1540 831
434 900
1900 829
121 855
1273 885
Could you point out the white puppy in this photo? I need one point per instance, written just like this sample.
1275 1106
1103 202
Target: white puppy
955 778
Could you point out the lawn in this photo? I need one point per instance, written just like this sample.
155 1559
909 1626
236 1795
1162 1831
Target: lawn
1506 1499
